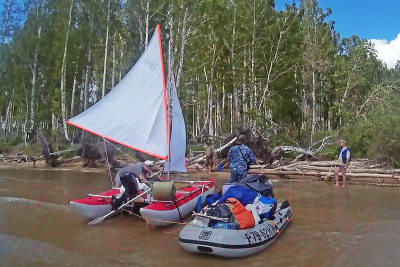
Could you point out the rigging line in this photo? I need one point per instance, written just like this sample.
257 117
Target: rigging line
134 160
108 162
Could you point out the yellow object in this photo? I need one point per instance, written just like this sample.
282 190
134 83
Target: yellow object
163 191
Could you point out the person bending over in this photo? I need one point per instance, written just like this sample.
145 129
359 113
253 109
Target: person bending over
140 170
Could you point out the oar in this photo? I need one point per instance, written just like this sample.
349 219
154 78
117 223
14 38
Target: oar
101 219
200 201
100 196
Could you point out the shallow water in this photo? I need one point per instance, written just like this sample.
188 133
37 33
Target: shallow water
353 226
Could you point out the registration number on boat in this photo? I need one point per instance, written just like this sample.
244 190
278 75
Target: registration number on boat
260 235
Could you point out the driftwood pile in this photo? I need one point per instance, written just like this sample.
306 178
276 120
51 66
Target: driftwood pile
257 143
306 164
16 158
360 171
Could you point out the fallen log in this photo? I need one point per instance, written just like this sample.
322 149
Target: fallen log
350 170
287 167
287 149
326 174
200 158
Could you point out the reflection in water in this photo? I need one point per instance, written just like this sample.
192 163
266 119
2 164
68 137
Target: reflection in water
357 226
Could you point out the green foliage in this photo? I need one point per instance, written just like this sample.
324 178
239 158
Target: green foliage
379 137
287 74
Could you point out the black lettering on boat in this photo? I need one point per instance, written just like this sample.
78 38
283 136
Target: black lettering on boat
250 240
263 233
258 236
205 235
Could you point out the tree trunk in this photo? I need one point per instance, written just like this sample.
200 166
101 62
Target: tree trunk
6 120
211 93
314 100
113 65
147 10
103 92
34 78
121 56
182 52
82 90
253 95
73 93
171 41
140 28
236 113
231 109
63 77
87 75
272 63
244 89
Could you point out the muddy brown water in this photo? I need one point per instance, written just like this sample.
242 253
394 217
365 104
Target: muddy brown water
353 226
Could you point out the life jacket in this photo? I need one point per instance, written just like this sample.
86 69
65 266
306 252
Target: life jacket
344 152
243 216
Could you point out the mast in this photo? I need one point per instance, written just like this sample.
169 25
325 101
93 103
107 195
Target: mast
169 106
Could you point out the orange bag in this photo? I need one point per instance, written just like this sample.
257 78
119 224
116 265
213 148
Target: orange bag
243 216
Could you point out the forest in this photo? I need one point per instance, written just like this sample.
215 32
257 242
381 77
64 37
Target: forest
288 75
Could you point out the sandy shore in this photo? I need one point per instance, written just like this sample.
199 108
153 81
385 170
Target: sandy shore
76 166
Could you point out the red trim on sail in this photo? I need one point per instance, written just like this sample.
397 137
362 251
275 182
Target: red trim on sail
115 141
164 87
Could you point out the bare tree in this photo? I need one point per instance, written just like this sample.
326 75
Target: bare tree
63 76
103 91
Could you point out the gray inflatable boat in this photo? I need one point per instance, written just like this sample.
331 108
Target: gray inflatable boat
234 243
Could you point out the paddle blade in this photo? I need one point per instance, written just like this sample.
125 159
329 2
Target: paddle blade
220 167
96 221
199 204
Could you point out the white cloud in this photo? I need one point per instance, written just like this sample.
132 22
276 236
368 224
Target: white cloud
388 52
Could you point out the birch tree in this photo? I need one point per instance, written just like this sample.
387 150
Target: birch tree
63 75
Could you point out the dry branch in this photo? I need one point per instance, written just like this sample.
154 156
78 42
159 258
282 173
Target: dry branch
200 158
324 173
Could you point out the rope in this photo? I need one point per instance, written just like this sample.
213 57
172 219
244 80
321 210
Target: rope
134 160
108 162
155 220
180 216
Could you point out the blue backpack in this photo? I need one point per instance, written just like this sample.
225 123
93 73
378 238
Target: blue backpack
344 152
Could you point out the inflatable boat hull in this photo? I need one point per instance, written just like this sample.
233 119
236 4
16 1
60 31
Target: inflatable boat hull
161 214
94 207
234 243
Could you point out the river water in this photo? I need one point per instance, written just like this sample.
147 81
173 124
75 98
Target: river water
353 226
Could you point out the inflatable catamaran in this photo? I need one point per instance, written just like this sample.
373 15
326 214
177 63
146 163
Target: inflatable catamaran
137 114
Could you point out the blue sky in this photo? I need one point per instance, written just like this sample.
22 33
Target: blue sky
369 19
376 20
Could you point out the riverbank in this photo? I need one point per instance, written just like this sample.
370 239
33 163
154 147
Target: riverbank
102 169
38 229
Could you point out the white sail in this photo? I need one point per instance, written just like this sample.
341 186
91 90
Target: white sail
134 113
177 161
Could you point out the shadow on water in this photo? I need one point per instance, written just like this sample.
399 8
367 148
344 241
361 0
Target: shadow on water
356 225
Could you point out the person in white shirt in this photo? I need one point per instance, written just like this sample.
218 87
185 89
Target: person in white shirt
343 162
